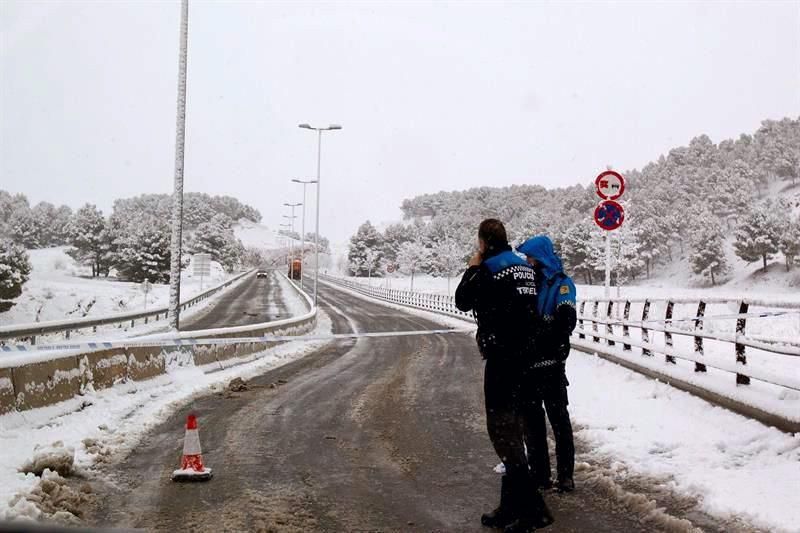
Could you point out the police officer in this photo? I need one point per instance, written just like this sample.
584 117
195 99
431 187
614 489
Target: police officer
500 289
556 306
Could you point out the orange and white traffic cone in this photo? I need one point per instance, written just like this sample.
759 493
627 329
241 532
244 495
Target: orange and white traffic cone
192 468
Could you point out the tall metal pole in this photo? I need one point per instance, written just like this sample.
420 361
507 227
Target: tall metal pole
607 290
316 229
177 195
303 239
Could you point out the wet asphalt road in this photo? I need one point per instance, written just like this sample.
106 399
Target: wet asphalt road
373 434
252 301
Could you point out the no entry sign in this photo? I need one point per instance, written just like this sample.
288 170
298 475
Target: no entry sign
609 215
609 185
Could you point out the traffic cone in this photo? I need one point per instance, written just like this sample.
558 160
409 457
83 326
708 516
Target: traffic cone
192 468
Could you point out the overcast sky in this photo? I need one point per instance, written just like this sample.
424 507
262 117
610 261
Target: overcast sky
432 95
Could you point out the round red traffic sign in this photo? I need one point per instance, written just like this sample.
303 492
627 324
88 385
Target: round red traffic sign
609 215
609 185
390 269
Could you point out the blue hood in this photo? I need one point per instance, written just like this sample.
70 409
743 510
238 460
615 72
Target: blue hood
541 249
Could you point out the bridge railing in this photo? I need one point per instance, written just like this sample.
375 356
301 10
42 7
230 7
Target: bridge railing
28 333
706 333
438 303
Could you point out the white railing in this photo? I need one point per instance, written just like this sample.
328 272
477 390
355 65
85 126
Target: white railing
684 331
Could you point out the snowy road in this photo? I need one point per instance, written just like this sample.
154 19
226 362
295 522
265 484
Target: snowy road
370 434
252 301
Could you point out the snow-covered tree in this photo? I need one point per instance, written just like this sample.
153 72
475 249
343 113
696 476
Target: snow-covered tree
628 259
582 250
707 250
366 238
24 228
450 259
410 258
758 235
789 242
15 269
216 237
92 244
144 254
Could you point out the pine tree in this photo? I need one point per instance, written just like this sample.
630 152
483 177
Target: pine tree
90 240
789 243
145 254
216 238
707 251
24 228
410 257
757 236
366 238
576 249
15 269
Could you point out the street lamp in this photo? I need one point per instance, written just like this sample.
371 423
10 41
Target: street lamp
177 195
291 243
316 231
286 239
303 229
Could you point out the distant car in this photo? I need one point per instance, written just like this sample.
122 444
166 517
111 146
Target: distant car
261 274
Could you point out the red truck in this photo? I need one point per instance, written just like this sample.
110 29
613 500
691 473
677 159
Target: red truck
295 268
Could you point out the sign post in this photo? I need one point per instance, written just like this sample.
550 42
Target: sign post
202 266
609 214
146 287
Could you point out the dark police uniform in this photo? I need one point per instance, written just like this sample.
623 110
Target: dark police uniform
501 293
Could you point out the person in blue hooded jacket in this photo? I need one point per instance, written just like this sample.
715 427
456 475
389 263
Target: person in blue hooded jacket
556 305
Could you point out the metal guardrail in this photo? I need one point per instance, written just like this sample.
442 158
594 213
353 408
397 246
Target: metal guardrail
592 317
29 332
438 303
38 378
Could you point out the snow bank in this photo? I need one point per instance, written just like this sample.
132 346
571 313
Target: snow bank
734 466
54 457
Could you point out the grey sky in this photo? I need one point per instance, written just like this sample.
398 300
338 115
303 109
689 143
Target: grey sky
432 96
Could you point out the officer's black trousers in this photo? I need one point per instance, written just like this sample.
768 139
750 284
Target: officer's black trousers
549 394
502 386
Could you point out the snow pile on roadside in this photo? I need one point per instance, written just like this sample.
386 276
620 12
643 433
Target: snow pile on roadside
295 305
54 457
733 465
109 423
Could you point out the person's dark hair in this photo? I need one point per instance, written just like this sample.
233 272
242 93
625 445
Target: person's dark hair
493 232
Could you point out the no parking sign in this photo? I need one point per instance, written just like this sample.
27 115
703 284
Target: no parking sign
609 215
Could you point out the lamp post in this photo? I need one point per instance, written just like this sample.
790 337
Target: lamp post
286 240
291 266
177 195
303 229
316 231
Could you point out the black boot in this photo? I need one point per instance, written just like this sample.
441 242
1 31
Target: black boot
533 511
505 513
565 484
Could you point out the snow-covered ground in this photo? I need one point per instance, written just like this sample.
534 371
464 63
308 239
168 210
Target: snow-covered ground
111 421
60 289
733 465
635 427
